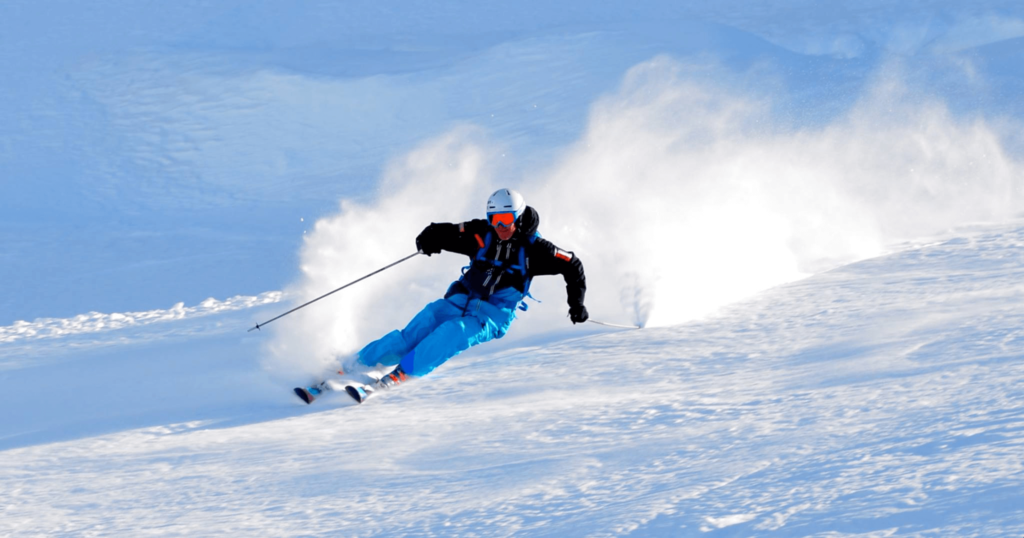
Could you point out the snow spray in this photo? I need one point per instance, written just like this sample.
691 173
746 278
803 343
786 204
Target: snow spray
681 196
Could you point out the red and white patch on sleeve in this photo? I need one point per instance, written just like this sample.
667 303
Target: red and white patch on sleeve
563 255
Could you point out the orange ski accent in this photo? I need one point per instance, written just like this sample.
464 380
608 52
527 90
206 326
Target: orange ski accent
479 240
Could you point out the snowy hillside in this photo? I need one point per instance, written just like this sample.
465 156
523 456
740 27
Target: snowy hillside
813 208
885 396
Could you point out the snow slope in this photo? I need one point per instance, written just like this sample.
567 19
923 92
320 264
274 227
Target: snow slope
814 208
884 396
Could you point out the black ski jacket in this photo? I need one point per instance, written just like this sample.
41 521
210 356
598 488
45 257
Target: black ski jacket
496 265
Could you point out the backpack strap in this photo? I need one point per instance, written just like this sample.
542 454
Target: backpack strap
524 266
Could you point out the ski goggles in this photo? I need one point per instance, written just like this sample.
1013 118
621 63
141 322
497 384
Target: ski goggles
503 220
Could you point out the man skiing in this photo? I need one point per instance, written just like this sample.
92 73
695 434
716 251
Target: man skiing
506 252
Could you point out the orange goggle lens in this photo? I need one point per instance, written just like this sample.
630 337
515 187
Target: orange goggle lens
504 220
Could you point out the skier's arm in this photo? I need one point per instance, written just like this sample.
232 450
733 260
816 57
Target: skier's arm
460 238
547 259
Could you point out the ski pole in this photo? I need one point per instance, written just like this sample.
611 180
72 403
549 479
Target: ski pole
360 279
617 326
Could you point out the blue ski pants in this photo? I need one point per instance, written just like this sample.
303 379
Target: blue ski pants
443 329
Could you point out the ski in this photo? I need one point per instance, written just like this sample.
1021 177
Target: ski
359 393
307 394
362 392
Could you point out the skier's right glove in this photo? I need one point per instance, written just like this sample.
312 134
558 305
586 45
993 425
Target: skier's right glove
578 314
428 241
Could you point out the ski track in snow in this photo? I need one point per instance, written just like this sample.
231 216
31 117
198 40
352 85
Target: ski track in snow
882 397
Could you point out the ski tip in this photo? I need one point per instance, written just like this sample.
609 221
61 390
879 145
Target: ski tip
357 393
304 395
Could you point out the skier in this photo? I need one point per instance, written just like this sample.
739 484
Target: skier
506 252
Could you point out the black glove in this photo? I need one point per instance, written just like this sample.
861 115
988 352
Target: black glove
578 314
428 242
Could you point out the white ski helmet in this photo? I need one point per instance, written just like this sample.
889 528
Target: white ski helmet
505 201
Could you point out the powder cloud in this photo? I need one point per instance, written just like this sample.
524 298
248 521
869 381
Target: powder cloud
682 195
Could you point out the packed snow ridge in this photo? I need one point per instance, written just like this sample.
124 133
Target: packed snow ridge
95 322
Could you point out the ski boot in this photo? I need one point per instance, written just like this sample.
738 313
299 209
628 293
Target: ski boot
393 378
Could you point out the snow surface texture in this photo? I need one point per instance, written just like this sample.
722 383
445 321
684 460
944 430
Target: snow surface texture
881 397
97 322
812 208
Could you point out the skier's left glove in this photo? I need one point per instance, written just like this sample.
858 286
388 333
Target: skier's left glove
427 242
578 314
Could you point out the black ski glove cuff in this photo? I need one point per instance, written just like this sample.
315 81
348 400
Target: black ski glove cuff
578 314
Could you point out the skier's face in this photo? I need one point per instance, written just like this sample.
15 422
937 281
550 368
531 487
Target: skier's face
504 225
